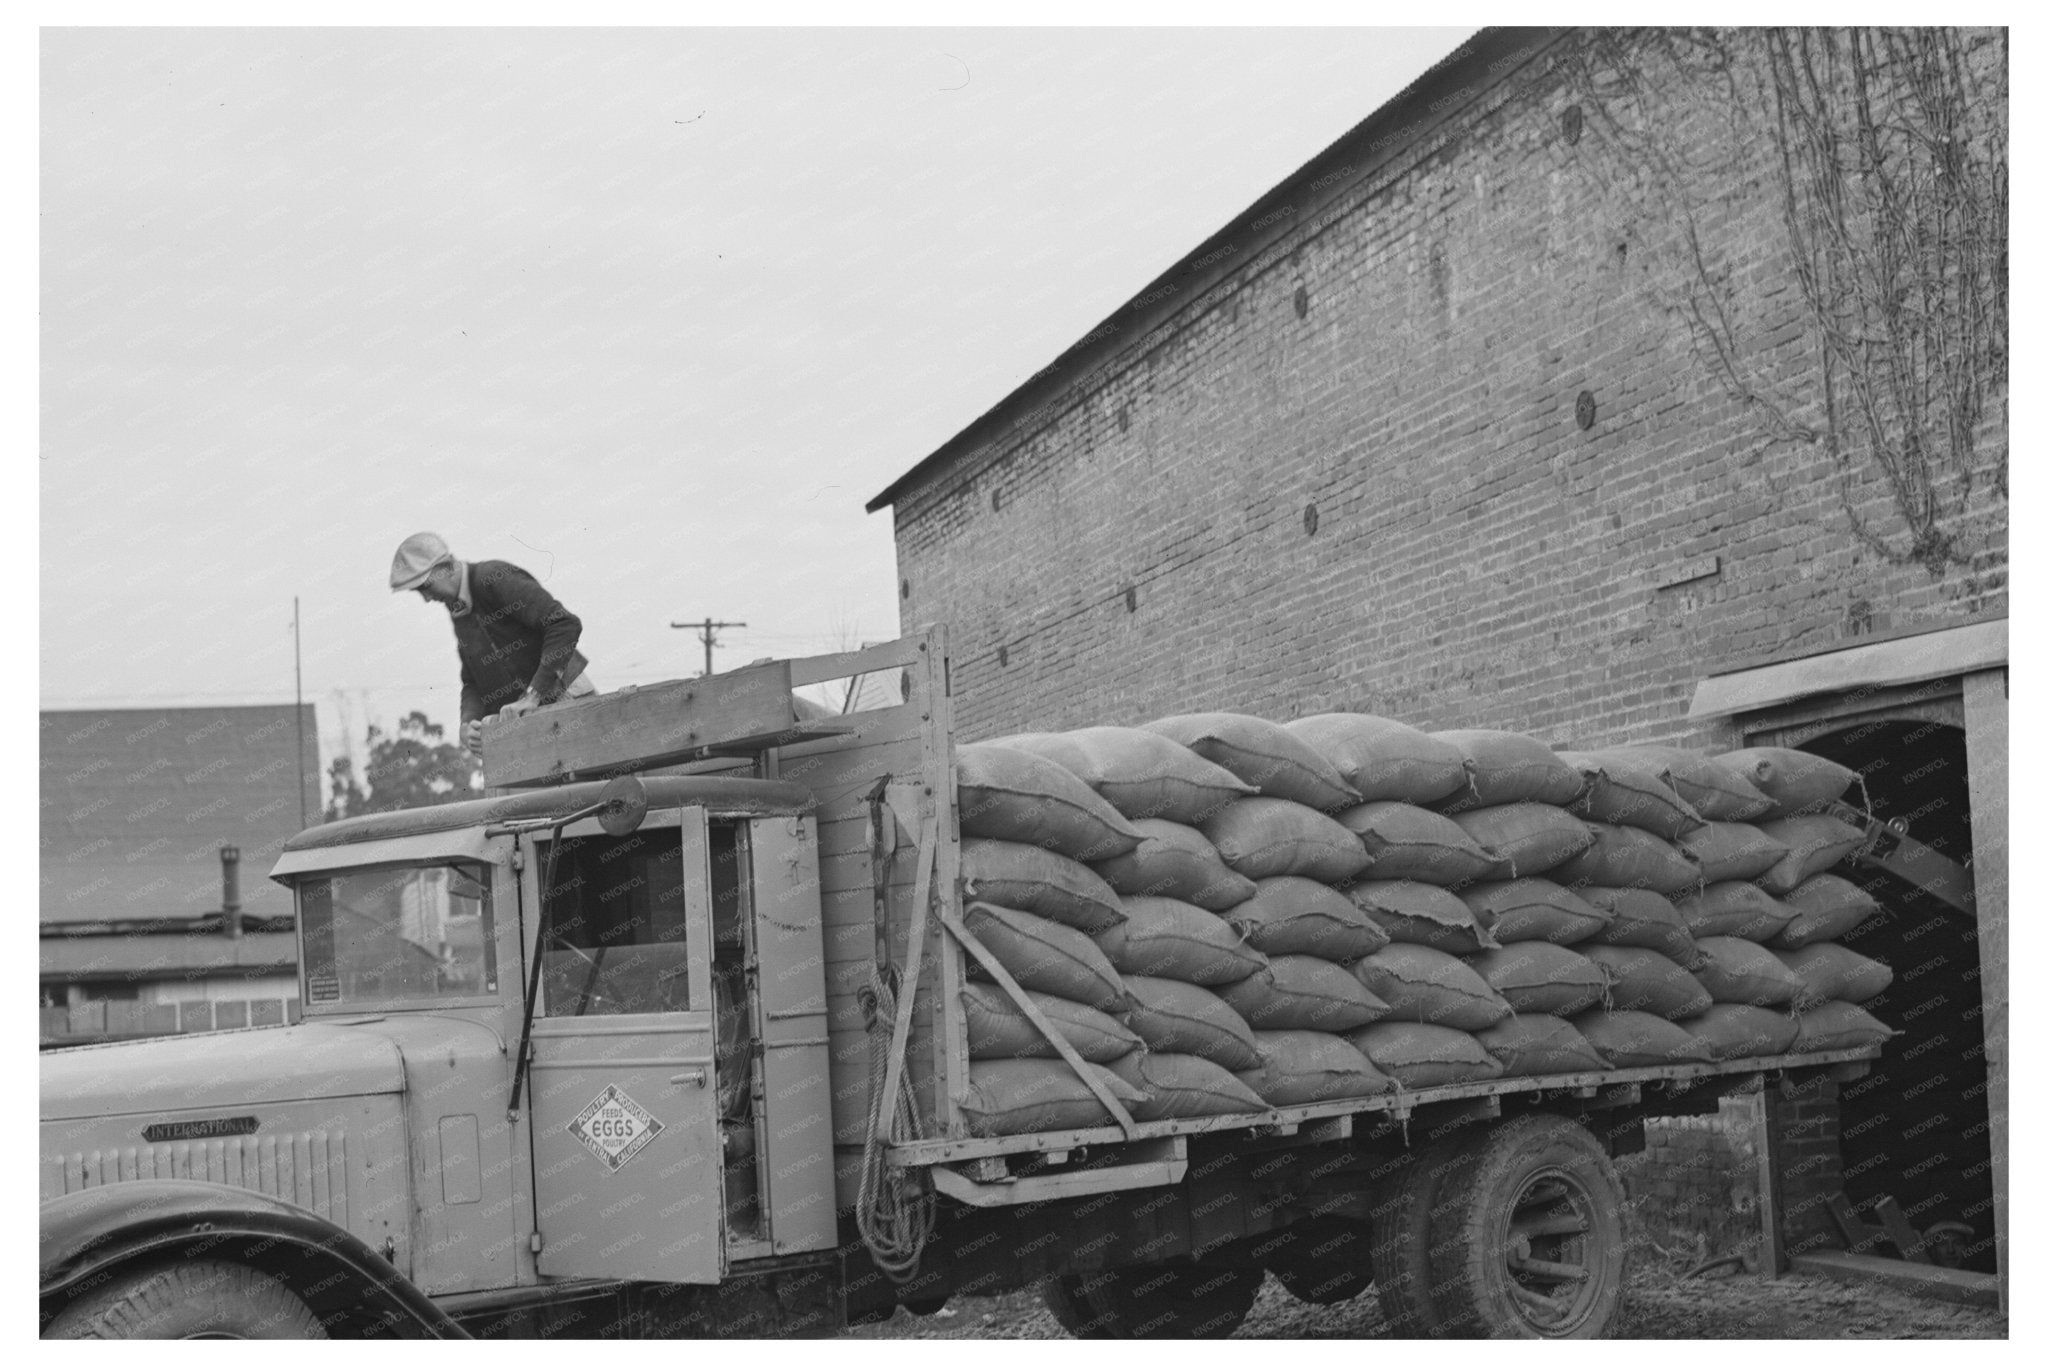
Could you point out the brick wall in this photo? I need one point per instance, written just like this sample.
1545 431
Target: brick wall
1347 472
1692 1190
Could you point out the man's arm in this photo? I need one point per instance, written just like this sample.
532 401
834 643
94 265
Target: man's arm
533 607
472 696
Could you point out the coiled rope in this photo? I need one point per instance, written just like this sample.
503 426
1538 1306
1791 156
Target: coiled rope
895 1213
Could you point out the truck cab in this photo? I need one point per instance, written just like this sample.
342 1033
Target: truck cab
663 981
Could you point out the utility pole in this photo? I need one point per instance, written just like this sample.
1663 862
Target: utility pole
707 631
298 715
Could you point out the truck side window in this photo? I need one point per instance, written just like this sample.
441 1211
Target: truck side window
615 927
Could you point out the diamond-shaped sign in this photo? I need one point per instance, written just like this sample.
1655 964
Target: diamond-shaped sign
615 1127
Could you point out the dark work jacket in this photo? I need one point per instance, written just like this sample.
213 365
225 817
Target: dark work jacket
514 636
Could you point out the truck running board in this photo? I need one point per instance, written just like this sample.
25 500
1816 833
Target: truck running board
986 1183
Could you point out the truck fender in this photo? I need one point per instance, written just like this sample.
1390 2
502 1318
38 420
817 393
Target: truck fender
88 1235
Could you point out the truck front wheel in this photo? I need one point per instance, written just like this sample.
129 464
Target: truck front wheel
1530 1244
1179 1301
188 1300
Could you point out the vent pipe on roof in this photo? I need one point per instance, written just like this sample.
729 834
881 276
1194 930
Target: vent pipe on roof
231 891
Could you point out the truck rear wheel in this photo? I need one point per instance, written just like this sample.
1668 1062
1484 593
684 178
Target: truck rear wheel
1529 1245
188 1300
1400 1229
1177 1301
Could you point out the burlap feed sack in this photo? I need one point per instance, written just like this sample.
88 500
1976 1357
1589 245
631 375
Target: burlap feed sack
1180 1017
1640 918
1533 837
1823 908
1717 792
1533 908
1505 767
1161 937
1814 844
1635 1038
1406 841
1429 986
1625 856
1541 979
1731 851
1263 753
1834 972
1183 1086
1838 1024
1794 780
1384 760
1035 1095
1644 979
1304 1067
1009 794
1274 837
1025 877
997 1026
1539 1046
1301 915
1739 972
1044 955
1421 1055
1418 913
1742 909
1738 1031
1296 991
1178 861
1138 772
1630 789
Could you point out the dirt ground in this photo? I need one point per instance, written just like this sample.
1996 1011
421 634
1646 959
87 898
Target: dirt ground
1660 1305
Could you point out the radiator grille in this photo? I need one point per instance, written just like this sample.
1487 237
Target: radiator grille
306 1168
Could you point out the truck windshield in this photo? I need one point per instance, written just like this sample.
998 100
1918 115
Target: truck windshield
411 932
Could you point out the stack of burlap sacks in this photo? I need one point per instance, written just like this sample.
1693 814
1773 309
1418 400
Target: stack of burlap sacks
1225 915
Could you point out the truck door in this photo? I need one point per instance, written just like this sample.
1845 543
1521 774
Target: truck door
625 1129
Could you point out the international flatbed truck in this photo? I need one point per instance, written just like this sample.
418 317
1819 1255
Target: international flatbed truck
662 1037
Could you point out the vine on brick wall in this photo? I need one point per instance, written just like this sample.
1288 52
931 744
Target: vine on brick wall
1886 151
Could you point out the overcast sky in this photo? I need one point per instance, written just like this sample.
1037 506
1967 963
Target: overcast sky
652 313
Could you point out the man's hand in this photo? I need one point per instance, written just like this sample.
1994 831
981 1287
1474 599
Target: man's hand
524 703
473 736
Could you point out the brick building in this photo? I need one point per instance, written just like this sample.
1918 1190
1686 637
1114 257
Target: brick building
137 805
1541 400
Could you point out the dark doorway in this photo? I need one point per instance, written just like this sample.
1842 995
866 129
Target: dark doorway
1918 1126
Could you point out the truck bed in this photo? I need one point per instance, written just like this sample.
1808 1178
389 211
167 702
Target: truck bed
1617 1086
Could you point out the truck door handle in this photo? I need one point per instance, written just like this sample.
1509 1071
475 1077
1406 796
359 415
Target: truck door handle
695 1074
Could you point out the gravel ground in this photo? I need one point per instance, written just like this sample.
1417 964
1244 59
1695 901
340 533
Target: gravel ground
1660 1305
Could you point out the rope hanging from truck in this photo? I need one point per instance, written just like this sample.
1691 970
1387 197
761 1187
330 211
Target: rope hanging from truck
895 1213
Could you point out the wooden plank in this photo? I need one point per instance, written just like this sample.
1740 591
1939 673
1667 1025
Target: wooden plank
1987 741
1933 1282
1770 1200
1915 659
1901 1231
891 654
638 728
950 1061
872 730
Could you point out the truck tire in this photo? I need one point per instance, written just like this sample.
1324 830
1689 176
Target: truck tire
1326 1261
1400 1233
1179 1301
1062 1296
1529 1244
188 1300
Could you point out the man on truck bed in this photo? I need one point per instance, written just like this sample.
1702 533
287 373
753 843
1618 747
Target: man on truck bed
517 644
